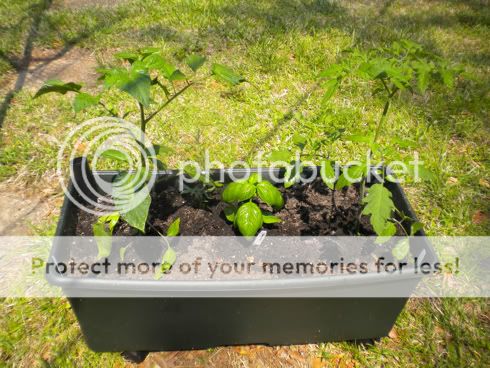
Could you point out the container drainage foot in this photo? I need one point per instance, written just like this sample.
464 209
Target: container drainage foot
134 356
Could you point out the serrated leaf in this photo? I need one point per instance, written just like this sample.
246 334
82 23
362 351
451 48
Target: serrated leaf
327 174
177 75
401 250
270 194
145 51
127 55
57 86
138 86
238 192
195 61
84 100
174 228
379 205
447 77
353 174
280 155
248 219
227 75
114 154
387 233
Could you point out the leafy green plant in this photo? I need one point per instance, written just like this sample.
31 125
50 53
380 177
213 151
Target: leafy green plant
308 148
389 71
245 214
145 75
169 256
200 192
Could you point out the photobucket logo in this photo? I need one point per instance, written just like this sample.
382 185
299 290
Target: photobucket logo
300 171
114 139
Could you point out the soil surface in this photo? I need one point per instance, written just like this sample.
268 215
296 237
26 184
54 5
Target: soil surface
310 210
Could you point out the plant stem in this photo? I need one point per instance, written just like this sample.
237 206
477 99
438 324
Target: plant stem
107 109
142 121
177 94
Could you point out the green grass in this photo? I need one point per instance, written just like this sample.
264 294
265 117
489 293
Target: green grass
279 47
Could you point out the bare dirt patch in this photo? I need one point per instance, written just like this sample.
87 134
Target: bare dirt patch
21 210
238 356
76 65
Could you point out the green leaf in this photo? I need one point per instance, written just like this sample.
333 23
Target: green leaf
55 85
292 175
299 141
423 73
327 173
415 227
230 212
253 178
138 86
227 75
127 55
270 219
248 219
177 75
330 88
387 233
134 208
174 228
281 155
333 71
114 154
84 100
379 205
355 174
401 250
270 194
145 51
195 61
103 230
238 192
168 260
447 77
157 62
360 138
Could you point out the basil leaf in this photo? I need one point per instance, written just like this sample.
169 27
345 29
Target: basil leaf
238 192
248 219
270 194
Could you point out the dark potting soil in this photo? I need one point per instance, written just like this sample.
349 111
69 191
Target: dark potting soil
310 210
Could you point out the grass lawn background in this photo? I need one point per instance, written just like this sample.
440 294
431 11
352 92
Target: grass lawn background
279 46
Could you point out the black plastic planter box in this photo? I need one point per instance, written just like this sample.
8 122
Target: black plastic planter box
176 323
